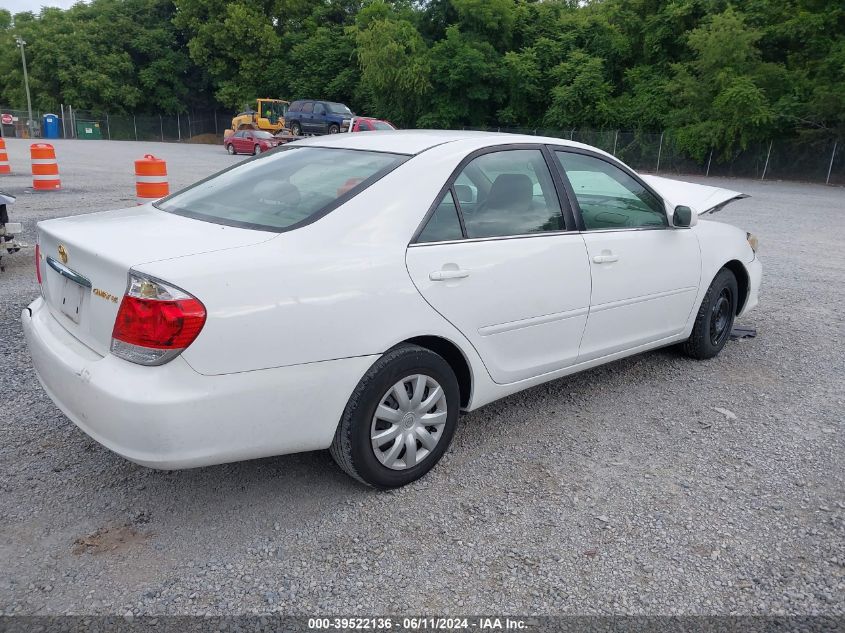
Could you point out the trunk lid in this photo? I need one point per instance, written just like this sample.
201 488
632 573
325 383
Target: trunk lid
700 198
91 256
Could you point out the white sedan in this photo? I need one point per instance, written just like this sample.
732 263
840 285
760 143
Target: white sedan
355 292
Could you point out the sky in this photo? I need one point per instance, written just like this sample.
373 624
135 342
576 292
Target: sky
16 6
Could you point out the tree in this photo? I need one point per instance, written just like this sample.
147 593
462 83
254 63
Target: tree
394 79
718 100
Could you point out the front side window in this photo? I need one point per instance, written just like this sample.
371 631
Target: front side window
308 107
338 108
319 109
283 188
509 192
609 198
444 224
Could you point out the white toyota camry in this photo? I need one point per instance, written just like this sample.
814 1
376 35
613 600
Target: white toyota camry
355 292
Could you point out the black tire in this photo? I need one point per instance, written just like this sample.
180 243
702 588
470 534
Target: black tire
334 128
352 446
715 317
296 129
230 147
256 150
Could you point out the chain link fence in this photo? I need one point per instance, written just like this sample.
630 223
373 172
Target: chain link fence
192 127
819 159
802 159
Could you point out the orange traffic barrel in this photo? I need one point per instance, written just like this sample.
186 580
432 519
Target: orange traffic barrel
4 158
150 179
45 168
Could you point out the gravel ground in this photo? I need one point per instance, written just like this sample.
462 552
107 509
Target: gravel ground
621 490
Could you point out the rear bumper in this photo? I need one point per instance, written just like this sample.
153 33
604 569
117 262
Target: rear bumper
755 277
172 417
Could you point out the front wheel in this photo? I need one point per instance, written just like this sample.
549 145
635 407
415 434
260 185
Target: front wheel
256 150
399 420
715 317
296 129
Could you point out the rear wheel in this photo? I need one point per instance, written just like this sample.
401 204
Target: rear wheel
715 317
334 128
400 418
230 147
295 129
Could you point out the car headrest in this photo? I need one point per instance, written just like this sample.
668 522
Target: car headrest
510 190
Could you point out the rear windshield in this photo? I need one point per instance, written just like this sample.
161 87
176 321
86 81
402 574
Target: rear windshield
382 125
283 189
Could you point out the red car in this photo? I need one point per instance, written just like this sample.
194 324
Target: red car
250 142
369 124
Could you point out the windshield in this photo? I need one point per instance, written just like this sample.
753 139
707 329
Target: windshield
338 108
262 134
273 110
283 189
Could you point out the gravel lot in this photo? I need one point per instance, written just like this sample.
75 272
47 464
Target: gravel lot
621 490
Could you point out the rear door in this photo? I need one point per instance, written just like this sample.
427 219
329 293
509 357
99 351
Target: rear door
306 117
495 258
240 141
645 274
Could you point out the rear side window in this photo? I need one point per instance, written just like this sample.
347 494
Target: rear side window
308 107
508 192
284 189
444 224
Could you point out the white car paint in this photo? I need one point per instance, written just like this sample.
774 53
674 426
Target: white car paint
291 312
700 198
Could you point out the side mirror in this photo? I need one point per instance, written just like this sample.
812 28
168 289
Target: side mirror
682 217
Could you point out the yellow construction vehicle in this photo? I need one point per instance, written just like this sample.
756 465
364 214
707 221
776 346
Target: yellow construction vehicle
269 115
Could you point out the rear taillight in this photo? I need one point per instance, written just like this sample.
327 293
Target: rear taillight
155 321
38 262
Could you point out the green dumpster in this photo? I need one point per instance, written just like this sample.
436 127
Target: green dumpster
88 130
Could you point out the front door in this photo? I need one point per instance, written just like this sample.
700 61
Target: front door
320 126
645 274
305 117
496 260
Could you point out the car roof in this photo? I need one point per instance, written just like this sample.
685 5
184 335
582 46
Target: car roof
416 141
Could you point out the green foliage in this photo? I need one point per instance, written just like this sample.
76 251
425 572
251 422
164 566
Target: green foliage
717 75
393 58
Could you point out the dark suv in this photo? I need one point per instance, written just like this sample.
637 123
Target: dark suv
317 117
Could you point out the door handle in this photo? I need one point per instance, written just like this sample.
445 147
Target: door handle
444 275
606 258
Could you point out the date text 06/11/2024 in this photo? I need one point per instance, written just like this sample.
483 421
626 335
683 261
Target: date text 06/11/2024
417 624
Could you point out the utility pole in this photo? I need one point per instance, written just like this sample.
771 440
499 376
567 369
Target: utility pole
30 122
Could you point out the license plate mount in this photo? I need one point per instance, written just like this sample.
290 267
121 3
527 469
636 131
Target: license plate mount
72 294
